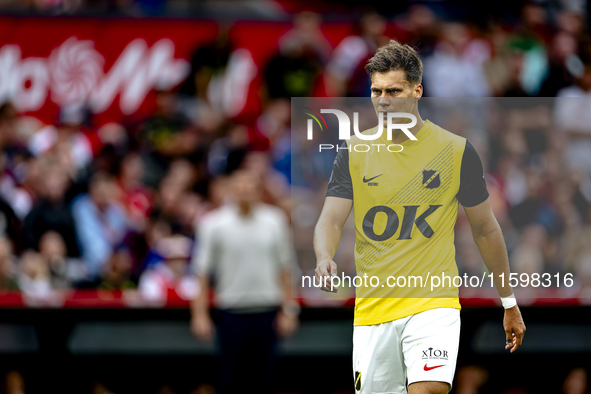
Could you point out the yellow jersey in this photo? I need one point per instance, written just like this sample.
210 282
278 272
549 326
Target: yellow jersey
405 207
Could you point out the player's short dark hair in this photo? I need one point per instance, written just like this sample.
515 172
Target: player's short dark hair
398 57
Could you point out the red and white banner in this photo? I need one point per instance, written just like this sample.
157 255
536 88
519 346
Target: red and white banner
113 66
74 73
109 66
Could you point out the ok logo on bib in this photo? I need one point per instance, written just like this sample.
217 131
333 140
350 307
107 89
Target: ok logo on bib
409 219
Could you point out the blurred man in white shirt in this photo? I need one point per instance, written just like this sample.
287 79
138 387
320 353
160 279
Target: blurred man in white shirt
246 247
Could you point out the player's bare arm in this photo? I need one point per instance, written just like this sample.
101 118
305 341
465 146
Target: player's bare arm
489 239
327 236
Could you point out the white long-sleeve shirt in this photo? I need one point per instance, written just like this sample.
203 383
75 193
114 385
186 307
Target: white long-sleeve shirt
245 254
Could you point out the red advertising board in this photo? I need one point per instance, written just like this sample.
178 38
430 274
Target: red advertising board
112 66
109 65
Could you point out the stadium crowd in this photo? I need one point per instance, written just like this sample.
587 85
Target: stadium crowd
118 206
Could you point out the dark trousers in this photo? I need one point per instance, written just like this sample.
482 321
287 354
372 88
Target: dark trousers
248 351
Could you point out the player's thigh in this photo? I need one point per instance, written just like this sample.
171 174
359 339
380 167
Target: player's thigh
378 362
429 388
430 345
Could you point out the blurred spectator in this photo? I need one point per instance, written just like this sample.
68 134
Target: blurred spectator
52 212
203 389
275 187
10 225
135 197
182 173
9 141
275 124
75 142
575 382
34 278
218 191
470 379
418 27
227 152
515 61
572 117
531 37
180 178
13 383
527 260
293 72
207 61
165 135
306 34
100 221
217 86
190 210
151 7
497 69
345 73
118 273
562 58
171 277
100 388
158 228
7 267
65 271
20 183
456 67
246 245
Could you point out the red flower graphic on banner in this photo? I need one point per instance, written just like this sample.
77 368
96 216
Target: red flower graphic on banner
76 68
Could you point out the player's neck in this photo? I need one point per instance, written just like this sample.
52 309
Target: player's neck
420 123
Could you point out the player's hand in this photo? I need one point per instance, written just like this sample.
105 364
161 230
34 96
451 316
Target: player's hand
324 270
514 328
202 327
286 325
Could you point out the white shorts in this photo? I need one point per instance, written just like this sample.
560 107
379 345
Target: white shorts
390 356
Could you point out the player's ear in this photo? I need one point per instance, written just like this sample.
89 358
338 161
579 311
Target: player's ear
418 91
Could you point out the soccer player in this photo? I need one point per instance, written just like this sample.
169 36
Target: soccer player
406 206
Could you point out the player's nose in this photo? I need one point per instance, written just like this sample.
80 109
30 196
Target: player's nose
383 101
